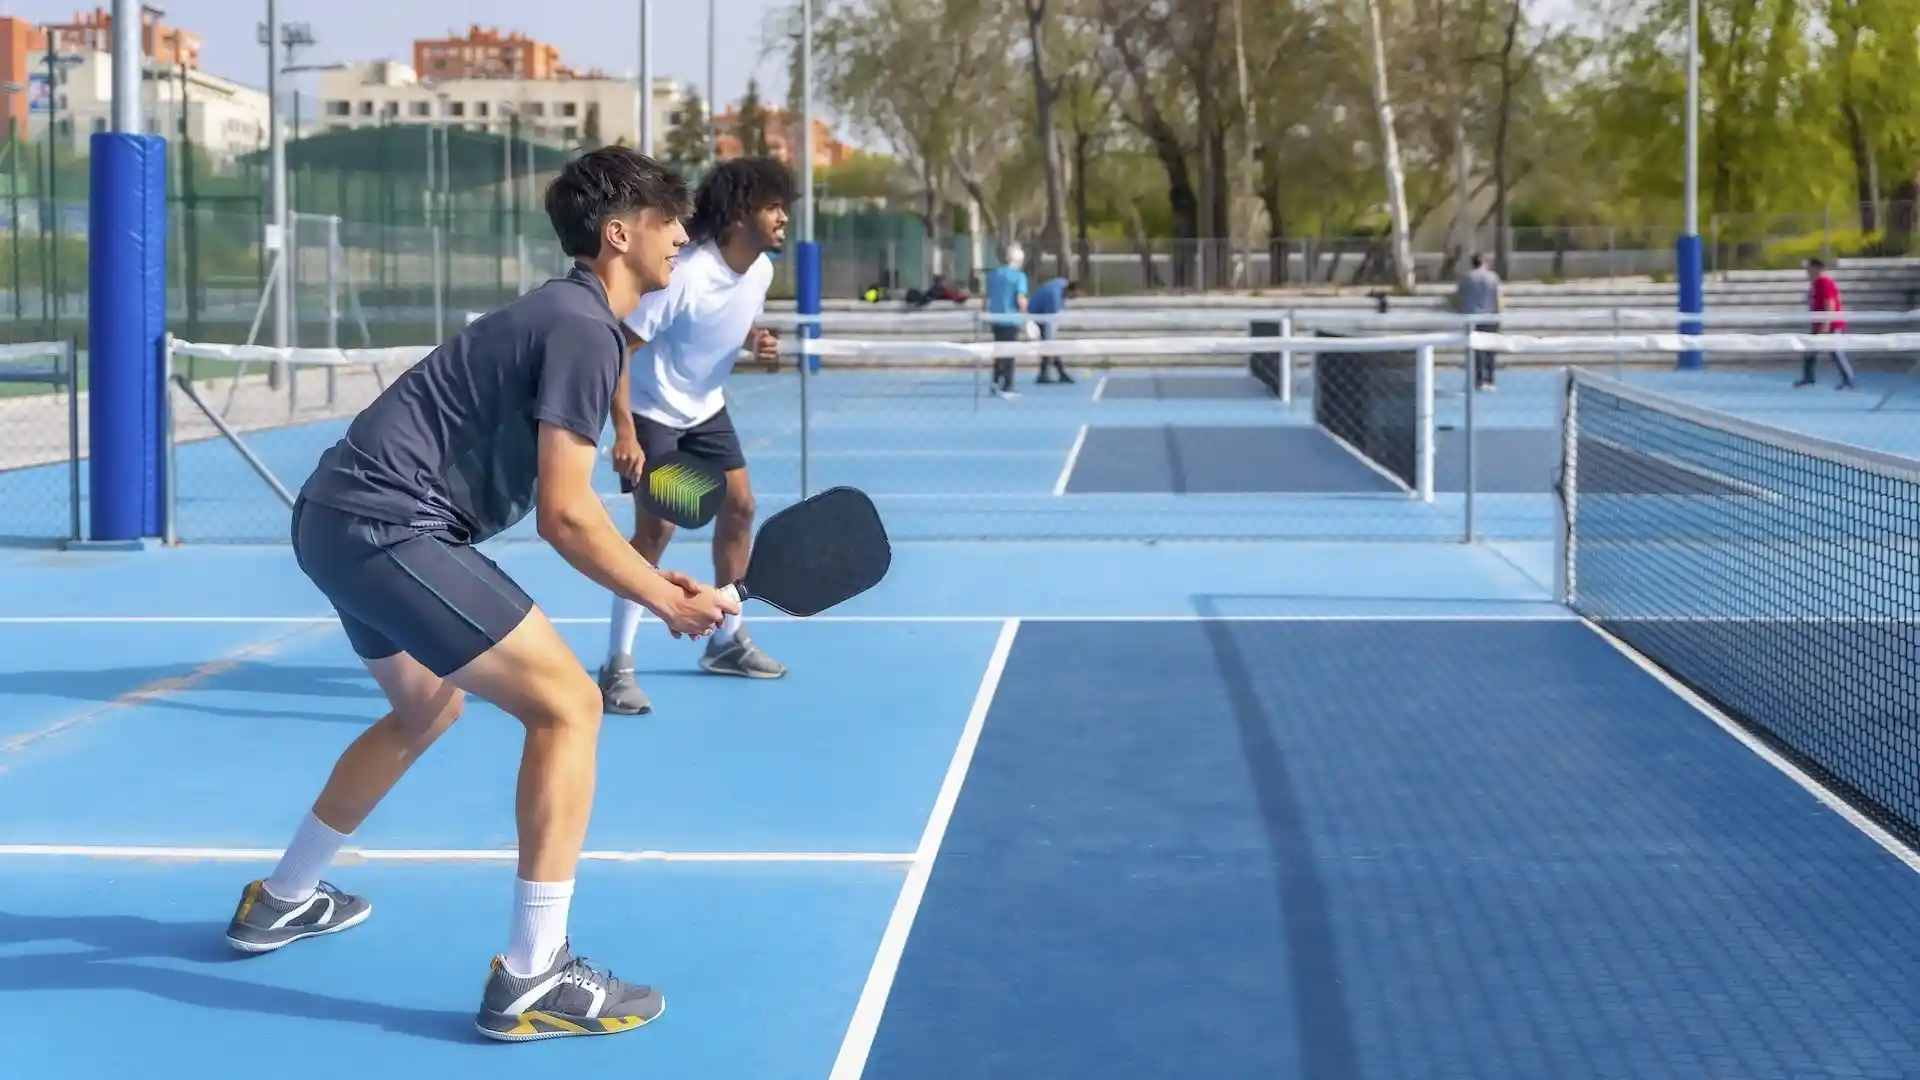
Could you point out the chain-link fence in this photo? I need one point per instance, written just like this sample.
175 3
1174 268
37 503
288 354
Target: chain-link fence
399 231
42 441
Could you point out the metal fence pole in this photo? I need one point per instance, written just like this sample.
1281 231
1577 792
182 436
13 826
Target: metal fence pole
169 526
1423 448
1473 381
333 304
976 366
72 360
1565 583
1286 359
806 361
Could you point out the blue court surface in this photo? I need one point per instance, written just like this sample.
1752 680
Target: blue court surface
1061 807
1196 453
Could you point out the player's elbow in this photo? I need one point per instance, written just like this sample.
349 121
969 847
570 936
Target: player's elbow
561 521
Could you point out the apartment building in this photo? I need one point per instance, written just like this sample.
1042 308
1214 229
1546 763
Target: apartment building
483 81
71 89
780 130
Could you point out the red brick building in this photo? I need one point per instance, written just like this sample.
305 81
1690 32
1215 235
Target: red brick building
781 130
486 53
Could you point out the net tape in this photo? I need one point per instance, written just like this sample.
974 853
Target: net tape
978 351
963 320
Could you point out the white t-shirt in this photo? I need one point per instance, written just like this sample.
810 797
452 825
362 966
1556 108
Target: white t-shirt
692 330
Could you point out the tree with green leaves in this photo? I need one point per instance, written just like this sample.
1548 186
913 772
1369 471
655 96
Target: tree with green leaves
687 138
1047 84
750 124
590 127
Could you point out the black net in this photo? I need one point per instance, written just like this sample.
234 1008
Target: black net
1776 575
1370 401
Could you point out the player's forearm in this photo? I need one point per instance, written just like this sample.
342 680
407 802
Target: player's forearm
621 414
587 538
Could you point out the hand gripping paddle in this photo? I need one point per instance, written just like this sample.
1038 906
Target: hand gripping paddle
819 552
681 488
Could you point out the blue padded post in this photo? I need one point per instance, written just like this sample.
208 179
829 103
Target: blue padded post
126 321
806 287
1690 269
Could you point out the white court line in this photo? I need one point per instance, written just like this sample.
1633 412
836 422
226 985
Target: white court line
858 1043
411 855
1100 388
1764 752
1073 457
599 620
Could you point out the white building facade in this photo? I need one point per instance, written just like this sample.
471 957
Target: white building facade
565 110
223 118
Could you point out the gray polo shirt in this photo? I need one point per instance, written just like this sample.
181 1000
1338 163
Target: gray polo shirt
454 443
1479 291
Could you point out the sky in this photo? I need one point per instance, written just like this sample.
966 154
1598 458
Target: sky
590 33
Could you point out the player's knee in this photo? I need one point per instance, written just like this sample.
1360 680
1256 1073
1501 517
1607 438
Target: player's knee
574 705
649 535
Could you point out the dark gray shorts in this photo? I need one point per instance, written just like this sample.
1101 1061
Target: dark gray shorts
713 440
401 589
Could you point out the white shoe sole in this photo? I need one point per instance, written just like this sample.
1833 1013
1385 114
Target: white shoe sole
257 947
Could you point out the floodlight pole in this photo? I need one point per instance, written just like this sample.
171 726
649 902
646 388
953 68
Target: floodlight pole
805 149
1689 261
126 66
645 89
278 240
713 131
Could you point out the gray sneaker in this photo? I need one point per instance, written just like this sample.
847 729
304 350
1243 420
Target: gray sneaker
264 922
740 657
619 692
572 997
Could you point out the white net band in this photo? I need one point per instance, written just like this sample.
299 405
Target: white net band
907 349
962 320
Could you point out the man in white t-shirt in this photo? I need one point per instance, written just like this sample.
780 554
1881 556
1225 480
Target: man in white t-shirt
685 339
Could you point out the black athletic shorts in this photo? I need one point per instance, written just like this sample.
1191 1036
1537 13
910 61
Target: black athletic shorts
713 440
398 588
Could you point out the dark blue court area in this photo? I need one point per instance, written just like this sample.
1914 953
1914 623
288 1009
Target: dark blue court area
1371 849
1274 459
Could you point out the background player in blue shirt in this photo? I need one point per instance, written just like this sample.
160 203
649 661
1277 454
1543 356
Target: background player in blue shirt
1007 295
1051 299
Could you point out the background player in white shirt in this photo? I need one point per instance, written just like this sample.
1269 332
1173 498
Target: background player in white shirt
685 339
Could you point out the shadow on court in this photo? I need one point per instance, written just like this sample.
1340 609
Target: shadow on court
1328 1047
118 946
103 685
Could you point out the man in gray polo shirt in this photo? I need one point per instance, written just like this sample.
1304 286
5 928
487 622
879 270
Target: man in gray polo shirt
1480 295
500 421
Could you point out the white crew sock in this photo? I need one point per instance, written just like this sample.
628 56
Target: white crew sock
626 623
729 626
313 848
539 925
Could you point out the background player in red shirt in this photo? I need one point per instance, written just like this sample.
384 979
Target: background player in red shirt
1824 295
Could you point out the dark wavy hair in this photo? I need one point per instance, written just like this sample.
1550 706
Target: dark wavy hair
604 183
733 190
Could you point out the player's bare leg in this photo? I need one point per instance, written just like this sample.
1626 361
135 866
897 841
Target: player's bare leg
293 903
730 651
619 687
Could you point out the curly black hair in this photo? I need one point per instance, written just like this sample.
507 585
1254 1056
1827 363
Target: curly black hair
602 183
733 190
